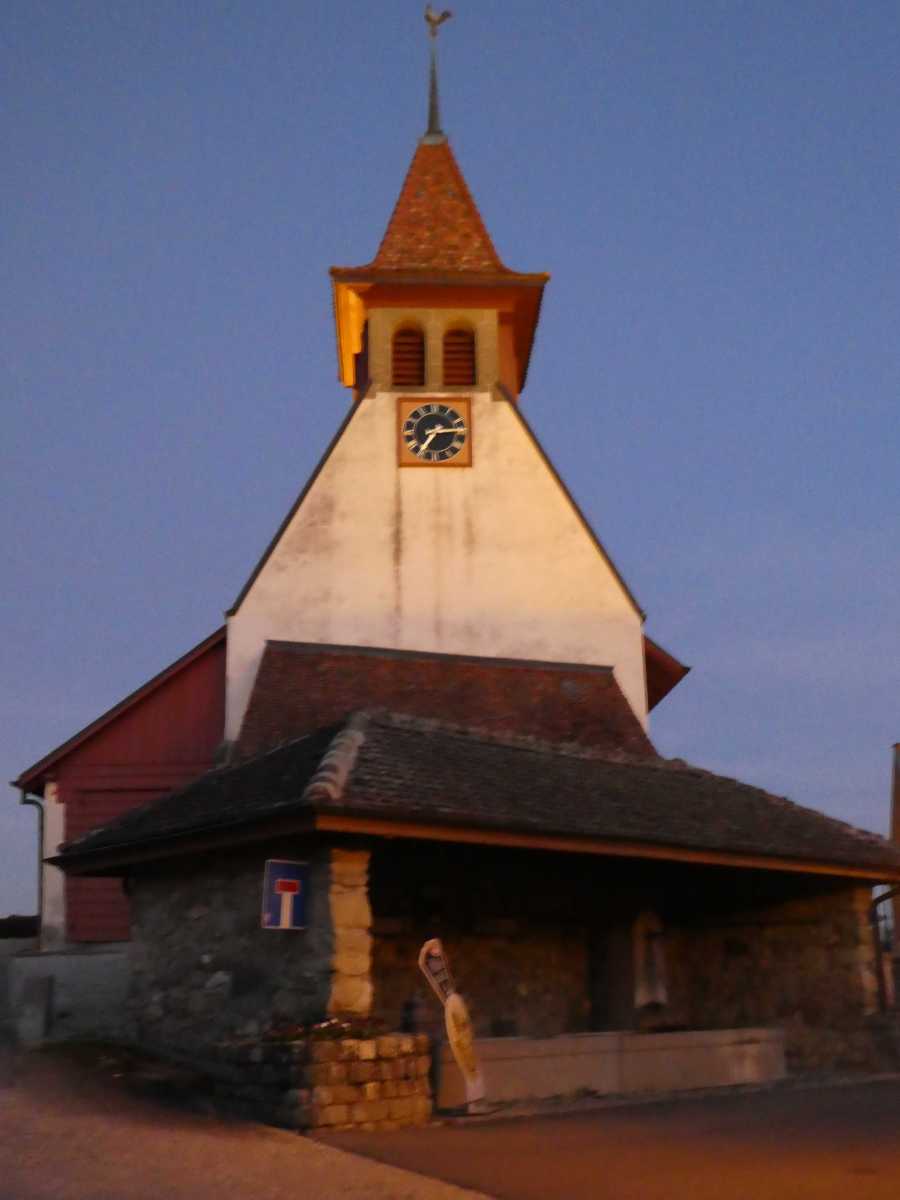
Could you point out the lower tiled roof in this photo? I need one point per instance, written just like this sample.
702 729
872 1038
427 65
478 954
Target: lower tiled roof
234 796
303 686
392 767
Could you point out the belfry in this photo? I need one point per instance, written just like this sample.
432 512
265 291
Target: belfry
428 718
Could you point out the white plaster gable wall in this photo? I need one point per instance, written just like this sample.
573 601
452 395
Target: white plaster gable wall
490 560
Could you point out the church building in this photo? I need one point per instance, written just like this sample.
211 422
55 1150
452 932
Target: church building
428 715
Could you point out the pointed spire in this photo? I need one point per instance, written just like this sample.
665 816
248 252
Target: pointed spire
434 133
436 225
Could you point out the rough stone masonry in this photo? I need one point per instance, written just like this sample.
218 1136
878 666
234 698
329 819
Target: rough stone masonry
336 1083
204 971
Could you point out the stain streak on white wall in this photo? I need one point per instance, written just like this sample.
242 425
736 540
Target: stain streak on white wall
489 560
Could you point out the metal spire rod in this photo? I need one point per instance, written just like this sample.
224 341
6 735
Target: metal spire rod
434 21
434 108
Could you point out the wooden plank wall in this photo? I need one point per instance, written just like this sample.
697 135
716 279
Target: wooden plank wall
155 746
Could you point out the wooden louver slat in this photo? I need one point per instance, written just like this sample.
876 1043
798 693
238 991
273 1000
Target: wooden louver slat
459 358
408 365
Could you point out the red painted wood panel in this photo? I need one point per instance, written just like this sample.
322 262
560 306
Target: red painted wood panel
156 745
97 911
180 721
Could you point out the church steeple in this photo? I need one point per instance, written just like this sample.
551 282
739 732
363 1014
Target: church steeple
436 255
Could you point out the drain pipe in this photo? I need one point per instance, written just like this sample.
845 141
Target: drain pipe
892 893
879 952
37 803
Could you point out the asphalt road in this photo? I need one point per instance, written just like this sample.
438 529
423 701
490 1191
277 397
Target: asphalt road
72 1129
824 1143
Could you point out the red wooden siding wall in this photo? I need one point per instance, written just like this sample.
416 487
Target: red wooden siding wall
163 740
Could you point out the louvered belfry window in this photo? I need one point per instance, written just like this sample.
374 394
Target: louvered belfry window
459 358
409 358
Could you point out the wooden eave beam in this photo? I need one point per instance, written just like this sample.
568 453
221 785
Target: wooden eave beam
116 860
111 860
380 827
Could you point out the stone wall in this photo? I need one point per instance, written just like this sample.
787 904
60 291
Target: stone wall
203 968
540 947
517 980
342 1083
515 934
805 964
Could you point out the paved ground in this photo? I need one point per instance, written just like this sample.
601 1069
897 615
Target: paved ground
827 1143
72 1130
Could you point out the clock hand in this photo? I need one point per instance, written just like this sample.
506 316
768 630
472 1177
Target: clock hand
432 433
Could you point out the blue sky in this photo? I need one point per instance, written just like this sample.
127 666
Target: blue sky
713 186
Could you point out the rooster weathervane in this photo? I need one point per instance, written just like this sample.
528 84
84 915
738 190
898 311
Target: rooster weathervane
435 20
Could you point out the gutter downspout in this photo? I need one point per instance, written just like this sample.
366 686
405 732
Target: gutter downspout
876 936
37 803
895 829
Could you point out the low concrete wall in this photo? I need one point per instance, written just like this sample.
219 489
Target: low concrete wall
74 993
12 946
9 948
617 1063
655 1062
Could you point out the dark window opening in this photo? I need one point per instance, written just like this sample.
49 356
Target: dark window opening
408 368
459 358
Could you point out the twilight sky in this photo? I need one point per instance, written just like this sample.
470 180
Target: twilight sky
713 185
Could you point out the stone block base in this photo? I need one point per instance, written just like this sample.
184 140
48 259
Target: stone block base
327 1083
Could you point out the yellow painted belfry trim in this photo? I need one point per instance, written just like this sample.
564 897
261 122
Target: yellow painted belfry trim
355 292
561 843
350 318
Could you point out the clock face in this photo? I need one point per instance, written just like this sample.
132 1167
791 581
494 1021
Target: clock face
434 432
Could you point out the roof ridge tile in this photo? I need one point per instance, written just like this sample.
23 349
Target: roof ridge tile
338 761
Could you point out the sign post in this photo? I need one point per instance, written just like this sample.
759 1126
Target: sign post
433 965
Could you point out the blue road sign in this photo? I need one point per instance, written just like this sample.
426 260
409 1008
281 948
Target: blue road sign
284 894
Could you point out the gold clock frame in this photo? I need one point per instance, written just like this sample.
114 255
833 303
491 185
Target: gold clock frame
408 404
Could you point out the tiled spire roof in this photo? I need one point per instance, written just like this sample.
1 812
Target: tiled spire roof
436 225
